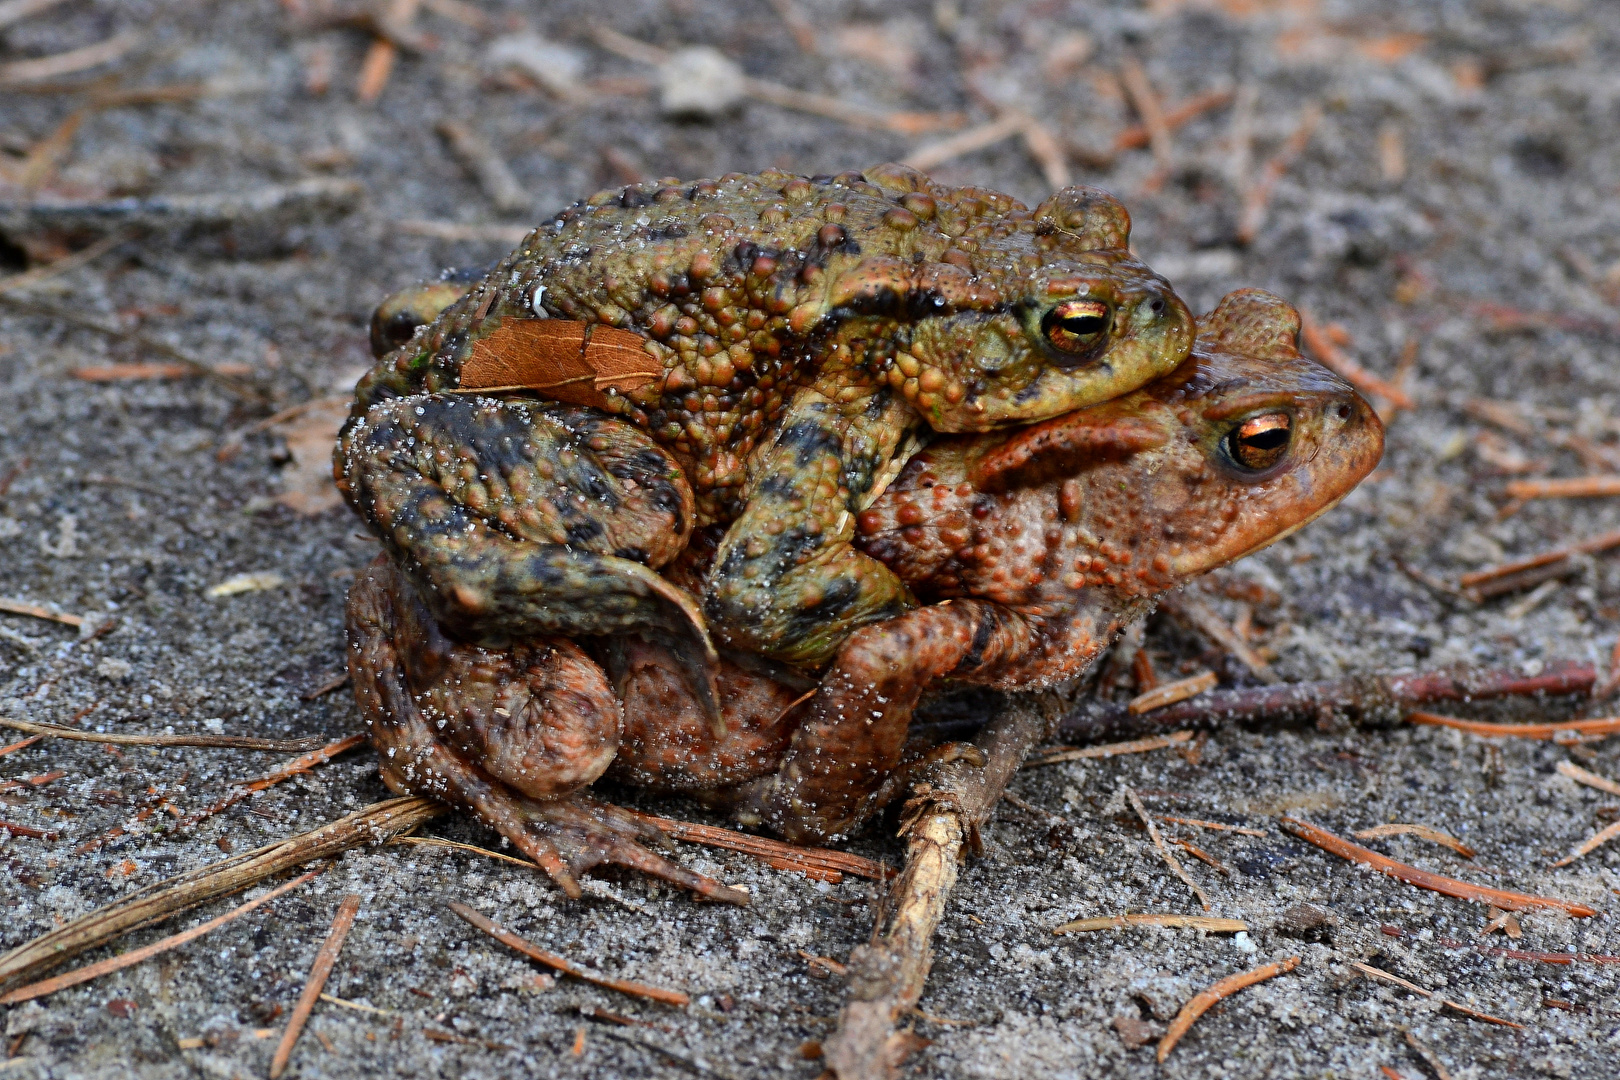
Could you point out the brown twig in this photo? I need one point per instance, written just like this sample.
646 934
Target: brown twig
1592 843
1203 618
233 742
61 266
1398 829
1602 725
1323 348
1370 698
1573 487
318 973
815 862
146 952
18 607
1424 879
1590 779
940 820
12 11
1258 197
12 748
486 166
1216 825
8 828
1201 855
1378 973
1204 1000
1170 693
566 966
1563 958
935 154
1108 750
1134 138
70 62
435 841
1146 103
1482 584
374 824
1430 1058
1164 852
296 767
1119 922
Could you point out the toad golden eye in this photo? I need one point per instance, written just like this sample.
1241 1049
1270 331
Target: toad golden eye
1076 326
1260 441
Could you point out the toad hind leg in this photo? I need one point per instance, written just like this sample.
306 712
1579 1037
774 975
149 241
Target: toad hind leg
787 583
854 730
520 519
400 665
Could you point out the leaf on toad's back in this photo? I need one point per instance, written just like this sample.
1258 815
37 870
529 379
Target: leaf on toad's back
306 483
570 361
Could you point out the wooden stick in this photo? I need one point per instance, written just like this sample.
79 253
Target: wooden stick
1170 693
1590 779
1371 698
1397 829
8 828
1323 348
232 742
20 744
1258 196
1118 922
67 63
146 952
1134 138
941 819
1201 617
1204 1000
318 973
18 607
1602 725
1424 879
296 767
435 841
566 966
936 154
1377 973
1574 487
780 855
1217 825
1164 852
1146 104
374 824
1592 843
1590 546
1108 750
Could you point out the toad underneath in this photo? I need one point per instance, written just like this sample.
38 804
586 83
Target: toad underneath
781 339
1036 547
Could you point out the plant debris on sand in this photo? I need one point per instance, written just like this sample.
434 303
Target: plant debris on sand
199 206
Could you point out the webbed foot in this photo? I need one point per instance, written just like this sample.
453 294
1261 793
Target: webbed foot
537 719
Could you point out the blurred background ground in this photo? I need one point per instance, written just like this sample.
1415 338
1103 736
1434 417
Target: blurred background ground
1436 184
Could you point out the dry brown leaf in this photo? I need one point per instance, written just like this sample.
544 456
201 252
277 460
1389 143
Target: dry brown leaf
307 485
571 361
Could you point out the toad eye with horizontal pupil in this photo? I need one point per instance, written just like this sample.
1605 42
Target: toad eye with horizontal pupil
1076 326
1260 441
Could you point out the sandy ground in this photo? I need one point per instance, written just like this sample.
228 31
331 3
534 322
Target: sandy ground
1456 204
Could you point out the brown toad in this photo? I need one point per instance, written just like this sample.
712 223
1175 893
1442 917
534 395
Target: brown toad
781 337
1037 545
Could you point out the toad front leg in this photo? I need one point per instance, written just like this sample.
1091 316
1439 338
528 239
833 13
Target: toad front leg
510 735
855 726
787 582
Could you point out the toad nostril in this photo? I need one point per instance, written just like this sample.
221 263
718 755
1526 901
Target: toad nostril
1157 307
1344 411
